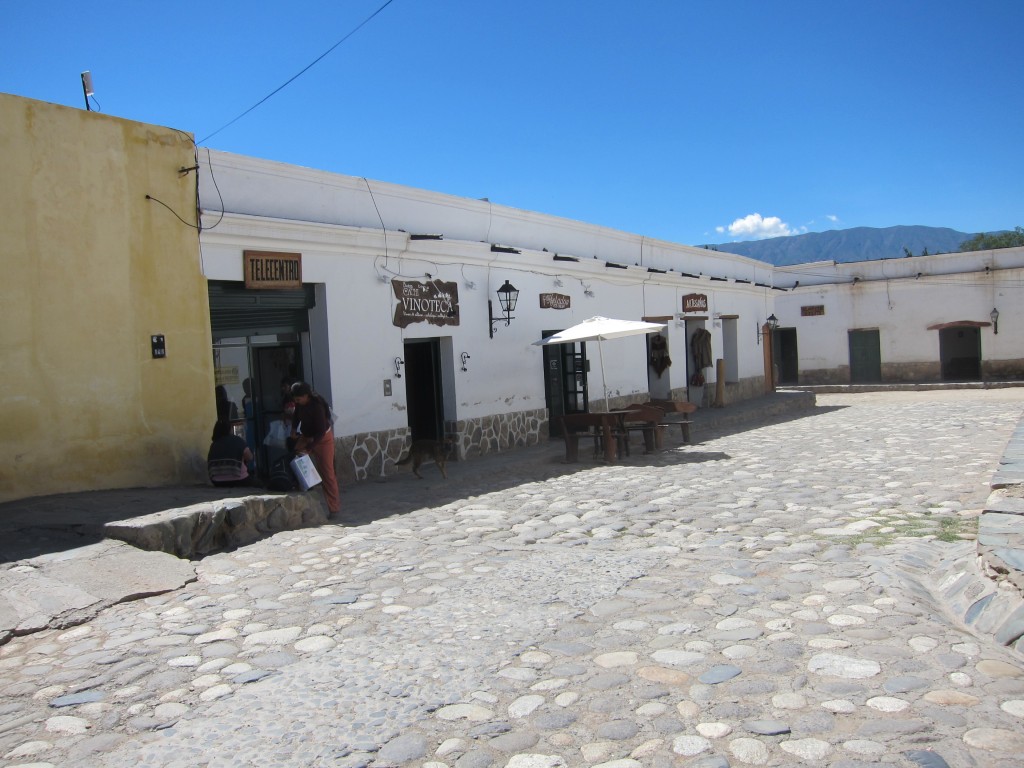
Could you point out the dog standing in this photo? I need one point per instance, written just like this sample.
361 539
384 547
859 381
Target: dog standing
422 450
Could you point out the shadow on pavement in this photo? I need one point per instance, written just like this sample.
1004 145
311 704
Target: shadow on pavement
47 525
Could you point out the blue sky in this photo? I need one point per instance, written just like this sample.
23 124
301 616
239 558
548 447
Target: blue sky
695 122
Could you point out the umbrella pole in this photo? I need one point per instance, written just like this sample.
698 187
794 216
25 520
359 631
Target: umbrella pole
604 381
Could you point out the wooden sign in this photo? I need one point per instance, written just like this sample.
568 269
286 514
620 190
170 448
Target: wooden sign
435 302
269 269
812 311
695 302
554 301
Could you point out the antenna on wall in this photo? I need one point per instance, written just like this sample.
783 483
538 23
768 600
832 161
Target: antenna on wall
87 88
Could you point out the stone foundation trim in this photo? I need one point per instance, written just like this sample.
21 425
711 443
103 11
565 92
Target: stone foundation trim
493 434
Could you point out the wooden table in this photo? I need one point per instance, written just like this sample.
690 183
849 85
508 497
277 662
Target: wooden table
674 406
575 425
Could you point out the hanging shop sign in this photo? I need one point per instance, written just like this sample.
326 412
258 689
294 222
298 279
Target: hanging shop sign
554 301
812 311
270 269
435 302
695 302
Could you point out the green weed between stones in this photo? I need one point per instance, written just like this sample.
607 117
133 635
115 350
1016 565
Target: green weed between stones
948 528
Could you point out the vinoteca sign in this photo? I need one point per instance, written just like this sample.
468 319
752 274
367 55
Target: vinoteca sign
436 302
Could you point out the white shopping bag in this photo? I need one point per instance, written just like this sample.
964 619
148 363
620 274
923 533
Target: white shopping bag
305 472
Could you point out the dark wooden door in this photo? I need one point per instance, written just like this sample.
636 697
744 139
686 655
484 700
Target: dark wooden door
865 357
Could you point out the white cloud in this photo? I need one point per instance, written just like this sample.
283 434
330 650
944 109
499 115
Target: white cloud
831 217
759 227
720 230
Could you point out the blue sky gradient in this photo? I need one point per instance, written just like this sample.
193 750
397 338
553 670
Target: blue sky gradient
695 122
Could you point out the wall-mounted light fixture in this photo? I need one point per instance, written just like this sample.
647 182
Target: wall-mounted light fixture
87 89
772 324
399 362
465 357
507 297
994 314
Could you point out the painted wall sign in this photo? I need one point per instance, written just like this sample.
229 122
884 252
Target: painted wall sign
695 302
554 301
270 269
435 302
812 311
226 374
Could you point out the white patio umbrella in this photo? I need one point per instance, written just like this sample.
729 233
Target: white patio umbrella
599 329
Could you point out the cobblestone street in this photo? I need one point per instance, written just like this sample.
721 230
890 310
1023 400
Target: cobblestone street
767 596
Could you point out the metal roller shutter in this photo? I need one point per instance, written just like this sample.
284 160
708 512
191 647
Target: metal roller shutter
235 311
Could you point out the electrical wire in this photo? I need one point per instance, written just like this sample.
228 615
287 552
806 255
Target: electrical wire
384 229
165 205
299 74
216 186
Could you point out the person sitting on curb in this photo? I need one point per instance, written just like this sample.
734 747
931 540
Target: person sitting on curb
228 459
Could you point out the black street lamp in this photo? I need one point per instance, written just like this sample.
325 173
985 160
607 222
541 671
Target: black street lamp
772 324
507 297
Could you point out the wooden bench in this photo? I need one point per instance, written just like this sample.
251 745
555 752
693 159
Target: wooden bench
676 412
572 433
605 428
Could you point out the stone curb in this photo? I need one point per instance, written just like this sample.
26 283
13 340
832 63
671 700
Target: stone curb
823 389
139 557
1001 550
213 526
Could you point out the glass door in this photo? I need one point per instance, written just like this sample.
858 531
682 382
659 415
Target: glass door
250 374
565 382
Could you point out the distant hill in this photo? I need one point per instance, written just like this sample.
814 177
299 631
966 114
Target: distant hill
855 244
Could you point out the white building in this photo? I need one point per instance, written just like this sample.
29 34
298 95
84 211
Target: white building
946 317
380 295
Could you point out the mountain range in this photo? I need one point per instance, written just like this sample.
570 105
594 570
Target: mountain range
855 244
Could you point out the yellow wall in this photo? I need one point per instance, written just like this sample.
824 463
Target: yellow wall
90 269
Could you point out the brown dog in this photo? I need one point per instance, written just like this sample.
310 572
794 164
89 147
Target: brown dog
421 450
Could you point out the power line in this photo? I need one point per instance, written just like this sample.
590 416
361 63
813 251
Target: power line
300 73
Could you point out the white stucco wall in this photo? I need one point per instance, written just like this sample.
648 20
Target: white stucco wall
903 298
331 221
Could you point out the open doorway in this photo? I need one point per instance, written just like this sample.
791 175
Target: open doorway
423 389
960 353
786 356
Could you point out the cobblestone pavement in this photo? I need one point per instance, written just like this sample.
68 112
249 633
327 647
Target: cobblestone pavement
764 597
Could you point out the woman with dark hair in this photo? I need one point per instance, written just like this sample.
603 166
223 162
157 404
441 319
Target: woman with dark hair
311 426
228 458
226 410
